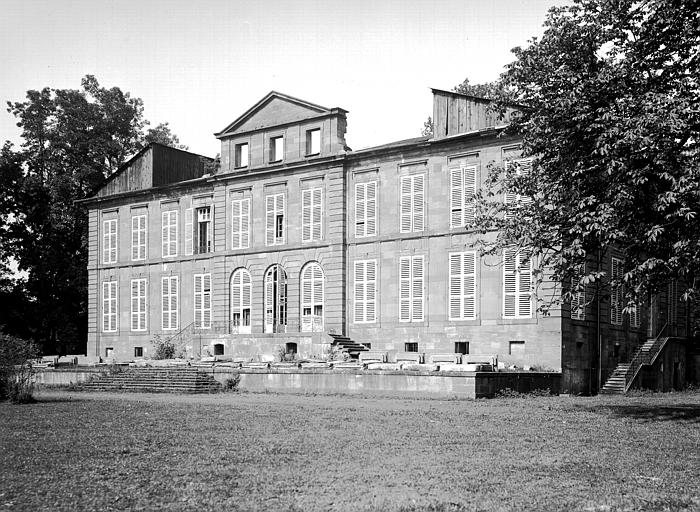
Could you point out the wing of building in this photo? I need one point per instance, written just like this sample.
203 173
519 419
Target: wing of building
294 238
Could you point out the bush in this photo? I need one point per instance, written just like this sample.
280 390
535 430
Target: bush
511 393
231 384
16 369
164 348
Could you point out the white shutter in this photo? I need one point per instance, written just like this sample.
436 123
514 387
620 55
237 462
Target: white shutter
280 210
307 299
198 299
524 275
417 276
360 284
418 202
316 214
269 220
371 291
109 241
174 302
509 283
306 213
470 183
360 210
206 302
189 232
138 304
105 307
269 301
578 299
405 289
236 216
371 208
164 234
455 286
456 198
617 294
406 205
245 223
135 238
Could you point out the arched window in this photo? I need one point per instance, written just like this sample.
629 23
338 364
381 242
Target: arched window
275 299
240 301
312 298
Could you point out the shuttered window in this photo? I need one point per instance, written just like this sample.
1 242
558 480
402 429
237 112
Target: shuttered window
109 306
240 223
274 219
462 192
275 299
578 299
672 299
517 284
616 292
514 201
311 208
169 233
170 302
365 291
138 304
462 285
189 232
411 278
109 241
312 298
412 203
202 301
241 300
138 237
366 209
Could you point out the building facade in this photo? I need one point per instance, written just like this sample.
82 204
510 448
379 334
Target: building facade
294 237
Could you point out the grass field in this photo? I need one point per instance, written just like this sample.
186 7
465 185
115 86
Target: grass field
280 452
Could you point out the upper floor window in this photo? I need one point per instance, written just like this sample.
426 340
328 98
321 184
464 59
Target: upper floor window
169 233
366 209
517 284
276 149
513 201
462 192
274 219
138 237
578 299
411 289
109 241
616 292
313 142
240 223
412 203
240 155
311 208
198 230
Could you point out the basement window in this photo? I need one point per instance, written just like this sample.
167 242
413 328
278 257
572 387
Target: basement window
290 348
461 347
411 347
516 347
138 351
109 352
218 349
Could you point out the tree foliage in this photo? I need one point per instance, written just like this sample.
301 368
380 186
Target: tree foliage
610 113
162 134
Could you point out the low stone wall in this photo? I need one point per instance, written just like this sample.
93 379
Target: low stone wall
50 377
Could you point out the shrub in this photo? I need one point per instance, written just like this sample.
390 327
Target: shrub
16 369
511 393
164 348
231 384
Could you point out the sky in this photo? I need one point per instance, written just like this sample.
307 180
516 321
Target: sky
200 64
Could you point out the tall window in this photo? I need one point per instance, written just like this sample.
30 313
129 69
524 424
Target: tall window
202 301
462 192
366 209
240 156
275 299
313 142
138 237
578 300
514 201
274 219
463 285
672 299
109 241
241 300
240 223
109 306
311 208
169 233
365 291
170 306
517 284
412 200
411 289
312 298
616 292
203 230
276 149
138 304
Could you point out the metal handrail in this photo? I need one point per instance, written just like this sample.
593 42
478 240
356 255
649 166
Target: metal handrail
643 357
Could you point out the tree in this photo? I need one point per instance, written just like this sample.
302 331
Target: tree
163 135
73 140
489 90
610 114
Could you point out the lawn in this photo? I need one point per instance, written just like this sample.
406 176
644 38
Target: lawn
83 451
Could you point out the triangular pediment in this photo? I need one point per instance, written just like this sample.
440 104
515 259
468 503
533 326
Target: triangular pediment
273 110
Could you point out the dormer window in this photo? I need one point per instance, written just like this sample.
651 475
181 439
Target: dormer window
276 149
313 142
241 155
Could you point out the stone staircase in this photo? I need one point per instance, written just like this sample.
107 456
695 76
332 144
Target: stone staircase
624 374
154 380
345 344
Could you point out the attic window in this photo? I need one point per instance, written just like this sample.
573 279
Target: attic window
241 155
276 149
313 142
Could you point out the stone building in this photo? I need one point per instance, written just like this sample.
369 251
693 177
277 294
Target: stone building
294 237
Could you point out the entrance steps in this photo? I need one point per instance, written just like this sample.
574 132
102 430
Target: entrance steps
624 374
154 380
345 344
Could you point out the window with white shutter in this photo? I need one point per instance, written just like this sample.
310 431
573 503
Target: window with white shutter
138 304
462 193
169 233
202 301
578 299
365 291
109 241
517 284
366 209
411 278
170 302
462 285
240 223
672 299
241 300
311 209
312 298
275 299
634 316
109 306
138 237
513 200
274 219
412 203
616 292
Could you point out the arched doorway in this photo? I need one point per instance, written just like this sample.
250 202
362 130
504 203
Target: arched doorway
275 299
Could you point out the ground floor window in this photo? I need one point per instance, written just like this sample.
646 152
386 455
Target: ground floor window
461 347
275 299
241 299
411 347
138 351
312 298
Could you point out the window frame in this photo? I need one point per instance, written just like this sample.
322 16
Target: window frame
408 286
237 223
517 284
139 237
272 219
274 157
461 194
140 302
316 286
462 297
312 214
110 241
310 142
110 306
245 289
367 304
366 214
412 214
169 228
170 312
200 320
238 153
